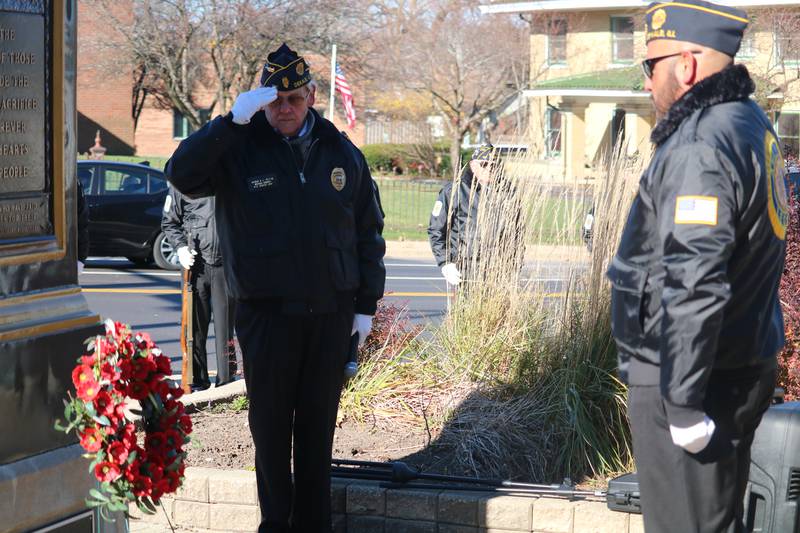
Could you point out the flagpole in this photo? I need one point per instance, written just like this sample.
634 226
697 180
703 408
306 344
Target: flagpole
333 83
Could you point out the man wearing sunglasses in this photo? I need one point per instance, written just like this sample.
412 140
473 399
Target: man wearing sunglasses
695 307
299 227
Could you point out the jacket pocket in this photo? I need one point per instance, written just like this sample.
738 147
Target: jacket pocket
342 260
265 267
627 301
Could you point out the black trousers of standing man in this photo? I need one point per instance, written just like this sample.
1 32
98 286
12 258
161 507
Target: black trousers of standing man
210 298
703 492
294 369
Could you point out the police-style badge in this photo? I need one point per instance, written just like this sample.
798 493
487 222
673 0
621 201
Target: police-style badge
659 18
338 178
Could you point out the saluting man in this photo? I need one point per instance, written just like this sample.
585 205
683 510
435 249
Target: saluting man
299 228
695 307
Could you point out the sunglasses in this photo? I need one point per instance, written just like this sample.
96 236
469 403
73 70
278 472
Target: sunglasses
649 64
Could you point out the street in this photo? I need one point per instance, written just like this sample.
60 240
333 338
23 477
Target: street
149 299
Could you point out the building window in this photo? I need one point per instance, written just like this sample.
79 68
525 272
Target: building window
748 47
788 128
552 132
622 39
181 128
787 47
557 42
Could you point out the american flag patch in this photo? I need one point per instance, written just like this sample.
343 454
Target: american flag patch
696 210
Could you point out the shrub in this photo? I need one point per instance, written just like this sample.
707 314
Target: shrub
421 159
789 358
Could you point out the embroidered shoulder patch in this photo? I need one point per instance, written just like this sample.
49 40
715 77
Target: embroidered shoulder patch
696 210
437 208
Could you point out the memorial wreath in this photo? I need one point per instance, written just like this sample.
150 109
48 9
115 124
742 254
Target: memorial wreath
119 367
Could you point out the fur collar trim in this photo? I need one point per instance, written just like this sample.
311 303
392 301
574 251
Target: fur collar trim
731 84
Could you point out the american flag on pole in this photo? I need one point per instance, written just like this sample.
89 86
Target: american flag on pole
347 96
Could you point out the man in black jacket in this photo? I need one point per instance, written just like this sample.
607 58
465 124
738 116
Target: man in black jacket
303 257
695 307
453 224
191 228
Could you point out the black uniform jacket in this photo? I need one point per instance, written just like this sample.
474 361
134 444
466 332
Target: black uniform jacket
695 279
191 223
306 238
454 220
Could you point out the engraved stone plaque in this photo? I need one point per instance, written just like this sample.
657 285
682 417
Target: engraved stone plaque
24 189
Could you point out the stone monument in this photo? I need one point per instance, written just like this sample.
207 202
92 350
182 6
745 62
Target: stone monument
44 318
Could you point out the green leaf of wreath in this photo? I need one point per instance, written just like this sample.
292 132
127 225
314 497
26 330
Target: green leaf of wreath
98 495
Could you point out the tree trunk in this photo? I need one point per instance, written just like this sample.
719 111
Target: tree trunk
455 151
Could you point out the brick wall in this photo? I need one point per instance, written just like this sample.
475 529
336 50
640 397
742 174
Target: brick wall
217 500
104 95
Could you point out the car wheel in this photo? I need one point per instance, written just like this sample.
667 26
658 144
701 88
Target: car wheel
164 254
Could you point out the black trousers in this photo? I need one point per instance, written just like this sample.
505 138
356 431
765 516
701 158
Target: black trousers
702 492
294 369
210 297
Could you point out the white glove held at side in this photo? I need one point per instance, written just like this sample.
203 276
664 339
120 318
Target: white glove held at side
249 102
363 325
693 439
451 274
186 257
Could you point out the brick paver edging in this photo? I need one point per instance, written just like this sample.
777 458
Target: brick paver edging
226 500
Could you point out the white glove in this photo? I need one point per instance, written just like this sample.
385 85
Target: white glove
186 257
451 274
80 267
363 325
693 439
249 102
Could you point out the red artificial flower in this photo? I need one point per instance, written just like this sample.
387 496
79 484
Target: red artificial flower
125 369
81 374
155 442
143 341
88 390
109 372
104 404
126 348
107 471
163 365
142 367
173 439
186 424
154 469
88 360
132 471
103 348
128 436
142 486
159 488
160 387
91 440
137 390
176 392
118 452
174 480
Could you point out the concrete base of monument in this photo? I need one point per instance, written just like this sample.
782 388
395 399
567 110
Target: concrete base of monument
47 489
217 500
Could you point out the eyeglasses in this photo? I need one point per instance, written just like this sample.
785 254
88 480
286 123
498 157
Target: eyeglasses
295 100
649 64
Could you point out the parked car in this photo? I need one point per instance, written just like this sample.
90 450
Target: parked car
125 204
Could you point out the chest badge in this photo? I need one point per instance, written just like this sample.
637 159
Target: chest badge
338 178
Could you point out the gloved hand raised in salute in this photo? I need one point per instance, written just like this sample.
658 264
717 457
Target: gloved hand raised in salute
250 102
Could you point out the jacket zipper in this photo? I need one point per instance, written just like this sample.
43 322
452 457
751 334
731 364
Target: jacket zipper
302 171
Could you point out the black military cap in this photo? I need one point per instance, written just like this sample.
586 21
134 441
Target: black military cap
483 152
695 21
285 70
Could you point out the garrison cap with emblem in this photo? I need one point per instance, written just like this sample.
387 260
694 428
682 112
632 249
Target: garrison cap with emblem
695 21
483 153
285 70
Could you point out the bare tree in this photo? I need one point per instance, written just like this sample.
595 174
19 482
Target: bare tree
463 62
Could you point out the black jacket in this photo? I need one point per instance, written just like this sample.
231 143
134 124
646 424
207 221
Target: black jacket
191 223
307 238
695 279
454 220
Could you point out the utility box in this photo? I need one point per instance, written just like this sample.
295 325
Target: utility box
774 486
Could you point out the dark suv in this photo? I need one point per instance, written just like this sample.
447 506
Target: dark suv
125 204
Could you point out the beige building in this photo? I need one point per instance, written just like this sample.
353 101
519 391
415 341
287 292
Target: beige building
586 84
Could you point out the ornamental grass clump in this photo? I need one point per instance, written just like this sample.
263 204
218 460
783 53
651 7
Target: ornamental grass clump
789 358
534 341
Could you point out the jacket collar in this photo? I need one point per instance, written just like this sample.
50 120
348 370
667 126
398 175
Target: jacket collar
323 129
731 84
